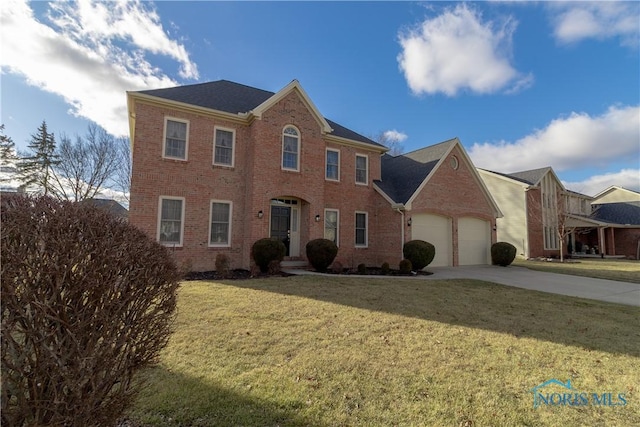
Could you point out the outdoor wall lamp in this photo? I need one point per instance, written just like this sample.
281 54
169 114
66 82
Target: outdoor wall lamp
495 228
260 214
317 218
409 222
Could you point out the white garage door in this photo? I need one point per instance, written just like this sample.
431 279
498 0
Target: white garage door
474 241
436 230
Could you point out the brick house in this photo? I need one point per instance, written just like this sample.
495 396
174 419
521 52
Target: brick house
535 202
219 165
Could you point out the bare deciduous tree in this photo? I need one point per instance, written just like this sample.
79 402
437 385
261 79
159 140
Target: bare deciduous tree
86 164
122 176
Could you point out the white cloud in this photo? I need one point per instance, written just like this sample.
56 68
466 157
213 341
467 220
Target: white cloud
575 21
90 54
394 136
627 178
457 51
572 142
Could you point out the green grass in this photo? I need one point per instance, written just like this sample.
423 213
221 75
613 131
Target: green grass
317 351
621 270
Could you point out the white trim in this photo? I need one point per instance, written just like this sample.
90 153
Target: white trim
220 245
367 170
294 85
324 225
233 145
186 139
297 169
326 163
171 244
366 229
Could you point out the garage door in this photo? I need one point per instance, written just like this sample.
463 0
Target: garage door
436 230
474 241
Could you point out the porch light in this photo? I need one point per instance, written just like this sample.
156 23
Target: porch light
409 222
260 214
317 218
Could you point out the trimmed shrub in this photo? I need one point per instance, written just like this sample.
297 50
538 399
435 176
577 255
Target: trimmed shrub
87 301
503 253
405 266
362 269
419 252
223 264
266 250
385 269
321 253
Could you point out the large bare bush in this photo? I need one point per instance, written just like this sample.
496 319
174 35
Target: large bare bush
87 300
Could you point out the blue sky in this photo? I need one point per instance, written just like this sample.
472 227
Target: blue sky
522 84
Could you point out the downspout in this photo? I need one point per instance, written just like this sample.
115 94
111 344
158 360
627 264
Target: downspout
400 209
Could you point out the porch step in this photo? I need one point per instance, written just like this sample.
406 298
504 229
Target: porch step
299 264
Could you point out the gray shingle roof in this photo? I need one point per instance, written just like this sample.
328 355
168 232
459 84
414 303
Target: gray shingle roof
235 98
531 177
618 213
403 174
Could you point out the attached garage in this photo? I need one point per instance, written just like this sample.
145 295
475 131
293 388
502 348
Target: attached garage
436 230
474 241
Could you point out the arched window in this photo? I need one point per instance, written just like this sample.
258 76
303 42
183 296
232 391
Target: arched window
290 148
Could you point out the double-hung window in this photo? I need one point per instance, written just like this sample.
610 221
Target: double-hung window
332 171
224 145
362 166
171 223
331 224
361 229
176 139
220 224
290 149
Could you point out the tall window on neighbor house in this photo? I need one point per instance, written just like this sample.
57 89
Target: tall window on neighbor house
170 223
290 148
333 165
362 175
331 218
223 151
175 139
361 229
220 234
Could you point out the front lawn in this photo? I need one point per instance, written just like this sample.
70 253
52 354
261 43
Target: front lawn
612 269
344 351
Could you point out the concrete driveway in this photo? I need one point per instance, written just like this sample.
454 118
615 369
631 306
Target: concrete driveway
575 286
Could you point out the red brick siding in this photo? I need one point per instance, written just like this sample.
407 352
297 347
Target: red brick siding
454 193
255 179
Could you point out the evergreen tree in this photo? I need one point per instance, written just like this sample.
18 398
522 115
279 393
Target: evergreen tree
8 156
37 168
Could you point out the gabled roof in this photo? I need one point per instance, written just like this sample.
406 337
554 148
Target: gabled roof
630 194
108 205
531 177
623 213
402 175
246 101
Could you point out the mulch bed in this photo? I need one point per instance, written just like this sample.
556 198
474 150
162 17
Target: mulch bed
241 274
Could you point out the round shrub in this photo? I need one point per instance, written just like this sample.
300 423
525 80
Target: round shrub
385 269
419 252
321 253
502 253
266 250
405 266
87 301
362 269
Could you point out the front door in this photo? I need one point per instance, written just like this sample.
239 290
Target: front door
281 225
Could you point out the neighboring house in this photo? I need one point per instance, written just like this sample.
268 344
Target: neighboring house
615 223
110 206
219 165
535 203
